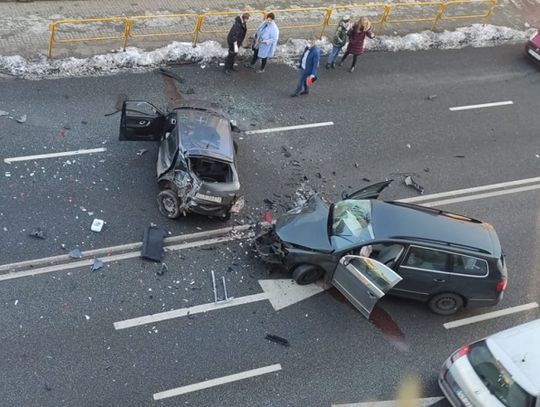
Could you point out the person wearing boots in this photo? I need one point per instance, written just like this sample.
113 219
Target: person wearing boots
340 38
235 38
357 34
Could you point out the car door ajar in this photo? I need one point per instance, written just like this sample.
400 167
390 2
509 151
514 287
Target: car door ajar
363 281
141 121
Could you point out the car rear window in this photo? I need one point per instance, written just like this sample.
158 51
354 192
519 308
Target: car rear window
470 266
496 378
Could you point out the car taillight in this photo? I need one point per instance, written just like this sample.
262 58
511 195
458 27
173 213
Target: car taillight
501 285
534 35
459 353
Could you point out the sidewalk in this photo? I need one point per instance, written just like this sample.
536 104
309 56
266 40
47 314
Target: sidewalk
24 27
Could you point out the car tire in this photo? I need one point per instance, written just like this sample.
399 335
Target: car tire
445 303
307 273
168 203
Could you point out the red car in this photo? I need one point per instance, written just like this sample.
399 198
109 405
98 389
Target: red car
532 48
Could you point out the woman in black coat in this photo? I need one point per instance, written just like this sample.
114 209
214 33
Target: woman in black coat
235 38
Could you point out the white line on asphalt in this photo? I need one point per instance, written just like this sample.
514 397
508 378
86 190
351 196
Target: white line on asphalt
217 382
506 102
197 309
287 128
471 190
393 403
54 155
490 315
480 196
109 259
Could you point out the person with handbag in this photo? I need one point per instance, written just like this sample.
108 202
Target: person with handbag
265 42
308 65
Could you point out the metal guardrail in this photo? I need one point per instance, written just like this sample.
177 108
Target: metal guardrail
320 18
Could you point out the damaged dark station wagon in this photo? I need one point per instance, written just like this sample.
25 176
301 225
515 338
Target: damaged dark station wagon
196 165
367 247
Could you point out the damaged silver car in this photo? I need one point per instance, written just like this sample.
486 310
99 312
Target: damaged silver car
196 165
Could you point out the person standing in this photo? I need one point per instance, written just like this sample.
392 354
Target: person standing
340 38
235 38
309 63
357 34
265 42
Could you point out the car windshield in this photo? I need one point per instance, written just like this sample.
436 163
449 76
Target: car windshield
352 218
496 378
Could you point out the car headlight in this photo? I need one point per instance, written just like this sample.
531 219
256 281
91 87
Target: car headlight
533 35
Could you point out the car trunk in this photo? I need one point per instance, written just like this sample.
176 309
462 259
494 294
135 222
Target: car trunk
211 171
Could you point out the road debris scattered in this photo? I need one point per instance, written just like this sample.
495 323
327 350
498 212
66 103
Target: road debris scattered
142 151
214 288
153 243
413 184
162 270
75 253
277 339
431 97
459 156
96 265
21 119
97 225
3 113
38 233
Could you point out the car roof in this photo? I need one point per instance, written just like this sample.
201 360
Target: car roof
397 220
205 133
520 344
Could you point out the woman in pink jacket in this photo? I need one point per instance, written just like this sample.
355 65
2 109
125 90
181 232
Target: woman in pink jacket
357 34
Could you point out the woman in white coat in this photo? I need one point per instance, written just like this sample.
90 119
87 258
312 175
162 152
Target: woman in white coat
265 41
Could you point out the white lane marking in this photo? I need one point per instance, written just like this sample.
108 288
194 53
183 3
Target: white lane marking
393 403
281 293
287 128
54 155
480 196
197 309
109 259
490 315
471 190
120 248
217 382
469 107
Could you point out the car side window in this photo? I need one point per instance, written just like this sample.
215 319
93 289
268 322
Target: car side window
469 265
428 259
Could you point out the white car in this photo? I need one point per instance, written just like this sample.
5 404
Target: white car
500 370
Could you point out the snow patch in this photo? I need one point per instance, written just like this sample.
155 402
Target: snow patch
137 60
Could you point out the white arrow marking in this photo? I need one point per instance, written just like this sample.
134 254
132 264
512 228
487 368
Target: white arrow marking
280 293
392 403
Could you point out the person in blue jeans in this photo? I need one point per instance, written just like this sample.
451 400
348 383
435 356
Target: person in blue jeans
340 39
308 64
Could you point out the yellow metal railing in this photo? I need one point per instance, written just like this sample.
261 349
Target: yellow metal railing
319 18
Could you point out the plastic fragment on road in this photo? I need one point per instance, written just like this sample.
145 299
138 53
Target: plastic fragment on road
162 270
97 225
267 217
75 253
238 205
431 97
96 265
21 119
38 233
152 248
142 151
413 184
4 113
277 339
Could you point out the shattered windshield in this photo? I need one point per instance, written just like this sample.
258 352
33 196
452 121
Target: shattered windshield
352 219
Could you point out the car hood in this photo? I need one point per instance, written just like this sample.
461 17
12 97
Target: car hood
306 226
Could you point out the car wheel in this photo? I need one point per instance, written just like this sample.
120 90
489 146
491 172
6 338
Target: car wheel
445 303
307 274
168 203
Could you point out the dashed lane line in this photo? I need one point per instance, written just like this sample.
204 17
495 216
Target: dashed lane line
288 128
481 106
54 155
217 382
490 315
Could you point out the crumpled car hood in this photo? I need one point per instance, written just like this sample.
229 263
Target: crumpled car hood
306 226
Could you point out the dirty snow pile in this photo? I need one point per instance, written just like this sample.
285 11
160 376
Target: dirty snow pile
137 60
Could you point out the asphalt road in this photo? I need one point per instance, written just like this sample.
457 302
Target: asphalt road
59 343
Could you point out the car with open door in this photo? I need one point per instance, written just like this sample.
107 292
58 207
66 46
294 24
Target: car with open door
367 247
196 163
